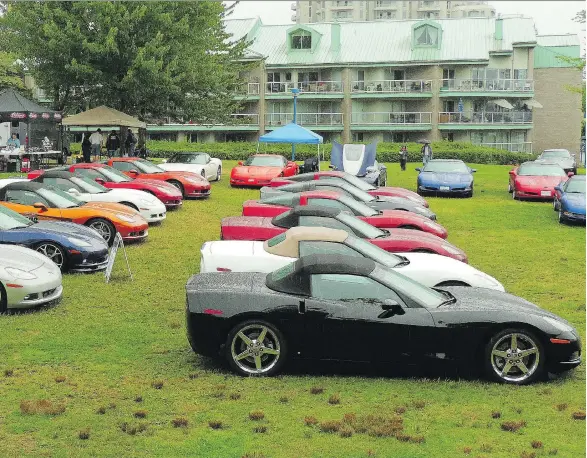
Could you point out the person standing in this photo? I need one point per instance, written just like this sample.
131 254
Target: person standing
403 157
426 153
96 141
13 142
87 148
112 144
130 143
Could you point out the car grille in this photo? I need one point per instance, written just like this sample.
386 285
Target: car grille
35 296
138 234
157 215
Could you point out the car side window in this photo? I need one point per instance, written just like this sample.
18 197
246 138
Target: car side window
18 196
61 183
320 221
287 199
307 248
89 173
331 203
349 287
122 166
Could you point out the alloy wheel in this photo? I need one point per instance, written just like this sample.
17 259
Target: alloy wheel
53 252
515 357
103 228
255 349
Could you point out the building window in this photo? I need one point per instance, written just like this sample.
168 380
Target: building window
385 15
358 137
343 15
426 35
476 14
427 15
521 74
344 3
301 40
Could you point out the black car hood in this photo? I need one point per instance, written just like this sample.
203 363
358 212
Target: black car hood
65 228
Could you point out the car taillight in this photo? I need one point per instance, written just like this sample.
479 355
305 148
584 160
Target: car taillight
213 312
223 269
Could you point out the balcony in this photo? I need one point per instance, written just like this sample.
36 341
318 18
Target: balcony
492 86
245 119
316 89
342 5
409 88
416 121
321 87
521 147
277 88
485 120
249 89
385 5
428 6
327 121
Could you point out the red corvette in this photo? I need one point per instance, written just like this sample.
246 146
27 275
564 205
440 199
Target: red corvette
355 181
533 180
112 178
190 184
259 169
274 206
392 240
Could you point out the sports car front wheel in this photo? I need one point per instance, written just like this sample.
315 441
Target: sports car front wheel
514 356
55 253
255 347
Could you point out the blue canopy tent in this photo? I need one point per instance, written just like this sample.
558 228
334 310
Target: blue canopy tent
294 134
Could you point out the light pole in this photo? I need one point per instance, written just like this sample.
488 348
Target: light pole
295 92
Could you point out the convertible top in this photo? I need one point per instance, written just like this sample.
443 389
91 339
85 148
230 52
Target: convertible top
55 173
288 244
294 278
304 210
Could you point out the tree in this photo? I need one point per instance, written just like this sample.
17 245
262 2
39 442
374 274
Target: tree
580 17
11 75
154 60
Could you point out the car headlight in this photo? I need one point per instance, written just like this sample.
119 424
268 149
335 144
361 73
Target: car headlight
128 219
147 202
79 242
193 180
563 327
451 250
20 274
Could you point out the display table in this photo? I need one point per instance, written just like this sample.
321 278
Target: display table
37 159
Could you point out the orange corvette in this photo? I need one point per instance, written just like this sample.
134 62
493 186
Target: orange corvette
49 203
190 184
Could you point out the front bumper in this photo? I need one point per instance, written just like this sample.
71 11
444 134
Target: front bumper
88 262
47 293
571 216
563 357
172 202
139 232
451 191
154 214
538 194
252 182
198 192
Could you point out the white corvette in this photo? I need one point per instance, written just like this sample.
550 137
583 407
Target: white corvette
248 256
86 189
200 163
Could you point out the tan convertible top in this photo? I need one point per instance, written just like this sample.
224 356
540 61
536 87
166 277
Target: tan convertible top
289 247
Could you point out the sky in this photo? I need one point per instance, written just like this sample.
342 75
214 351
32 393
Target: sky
551 17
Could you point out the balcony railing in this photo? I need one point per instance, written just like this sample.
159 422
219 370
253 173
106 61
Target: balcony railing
321 87
386 4
472 85
245 119
249 89
521 147
391 118
503 117
304 119
392 86
279 88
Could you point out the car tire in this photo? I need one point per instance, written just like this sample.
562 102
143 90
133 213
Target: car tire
218 173
575 171
242 341
104 227
555 204
503 344
510 188
561 218
3 300
54 252
178 185
514 195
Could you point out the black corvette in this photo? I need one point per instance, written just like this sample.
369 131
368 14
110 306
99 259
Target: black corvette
347 308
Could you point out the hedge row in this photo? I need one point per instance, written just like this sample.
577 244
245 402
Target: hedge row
386 152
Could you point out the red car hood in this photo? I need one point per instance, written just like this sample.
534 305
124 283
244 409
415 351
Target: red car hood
399 192
158 184
256 171
539 182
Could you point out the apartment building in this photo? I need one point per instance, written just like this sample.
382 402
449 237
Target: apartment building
489 81
305 12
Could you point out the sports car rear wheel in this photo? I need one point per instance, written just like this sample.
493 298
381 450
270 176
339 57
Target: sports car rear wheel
104 227
255 347
55 253
514 356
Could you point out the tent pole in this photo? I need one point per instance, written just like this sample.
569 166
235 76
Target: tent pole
293 151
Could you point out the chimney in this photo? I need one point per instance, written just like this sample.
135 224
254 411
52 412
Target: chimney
335 37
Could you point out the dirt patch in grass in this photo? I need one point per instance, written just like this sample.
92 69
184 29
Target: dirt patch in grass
310 421
132 429
8 373
334 399
60 379
261 429
495 414
41 407
180 422
256 415
216 424
579 415
513 426
140 414
158 384
84 434
536 444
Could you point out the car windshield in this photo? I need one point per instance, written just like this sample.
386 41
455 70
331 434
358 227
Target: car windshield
541 170
89 185
555 154
197 158
360 226
427 297
59 198
358 207
113 175
9 219
265 161
446 167
357 193
575 186
146 166
357 182
373 252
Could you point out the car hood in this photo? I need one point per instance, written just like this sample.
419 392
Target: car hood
542 181
574 200
123 193
162 185
175 166
21 258
66 229
445 177
113 207
257 171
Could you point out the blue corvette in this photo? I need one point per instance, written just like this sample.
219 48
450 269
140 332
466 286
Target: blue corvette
446 177
569 200
72 247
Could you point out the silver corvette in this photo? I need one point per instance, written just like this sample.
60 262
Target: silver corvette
27 279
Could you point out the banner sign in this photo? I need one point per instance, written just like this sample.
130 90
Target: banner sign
46 115
57 116
18 115
33 115
115 246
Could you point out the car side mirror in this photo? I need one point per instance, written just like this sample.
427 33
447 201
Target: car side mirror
40 206
73 191
418 169
392 306
100 181
240 163
133 172
557 188
570 174
208 160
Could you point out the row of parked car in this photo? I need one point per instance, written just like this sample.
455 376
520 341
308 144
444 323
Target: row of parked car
64 219
327 267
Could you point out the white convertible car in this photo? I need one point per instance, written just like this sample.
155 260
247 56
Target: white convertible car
86 189
27 279
248 256
200 163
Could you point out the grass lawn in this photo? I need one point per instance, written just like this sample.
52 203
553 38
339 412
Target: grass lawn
115 366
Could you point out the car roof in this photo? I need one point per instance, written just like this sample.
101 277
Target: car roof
124 159
294 278
314 210
25 186
445 160
289 246
267 155
56 174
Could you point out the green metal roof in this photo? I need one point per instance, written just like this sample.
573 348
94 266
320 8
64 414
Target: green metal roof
549 56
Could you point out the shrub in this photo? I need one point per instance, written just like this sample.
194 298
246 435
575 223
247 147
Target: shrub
140 414
580 415
345 431
8 373
60 379
133 429
179 422
316 390
216 424
157 384
330 426
260 429
536 444
334 399
495 414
